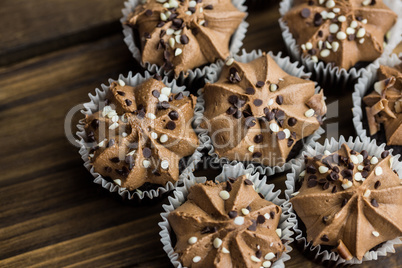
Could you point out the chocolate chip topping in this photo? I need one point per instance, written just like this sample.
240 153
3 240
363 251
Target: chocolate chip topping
292 121
171 125
248 182
232 214
305 13
260 219
377 184
110 143
121 93
257 102
184 39
384 154
174 115
258 138
318 19
114 160
259 84
250 91
324 238
279 99
374 203
128 102
156 93
146 152
148 12
95 124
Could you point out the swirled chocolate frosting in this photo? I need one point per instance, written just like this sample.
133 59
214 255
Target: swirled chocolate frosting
257 112
341 32
181 34
226 225
350 200
141 134
384 104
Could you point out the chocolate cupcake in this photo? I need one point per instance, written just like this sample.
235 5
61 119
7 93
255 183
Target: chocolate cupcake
344 35
180 36
230 223
347 196
377 103
256 112
135 133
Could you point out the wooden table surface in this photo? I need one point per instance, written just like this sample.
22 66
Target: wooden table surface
52 54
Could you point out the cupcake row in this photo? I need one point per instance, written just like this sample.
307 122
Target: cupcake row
335 40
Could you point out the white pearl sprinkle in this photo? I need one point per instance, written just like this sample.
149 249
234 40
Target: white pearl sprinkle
321 2
115 118
378 171
330 4
124 134
224 195
173 3
163 97
353 24
323 169
274 127
341 35
118 182
225 250
154 135
255 259
350 31
326 152
267 216
341 18
279 232
328 45
178 32
169 31
360 33
266 264
165 164
239 220
287 133
163 17
302 173
251 148
324 14
166 91
177 38
166 5
347 185
331 15
245 211
161 1
217 242
374 160
320 44
163 138
360 167
121 83
202 22
196 259
325 53
229 61
171 42
151 116
303 46
358 176
192 240
360 158
192 3
335 46
314 58
131 153
188 13
367 193
361 41
273 87
270 102
309 45
366 2
364 21
354 159
376 234
309 113
336 10
269 256
114 126
146 163
178 51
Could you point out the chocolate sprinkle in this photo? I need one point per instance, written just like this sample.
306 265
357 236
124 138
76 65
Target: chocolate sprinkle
257 102
384 154
232 214
272 214
121 93
325 219
156 93
290 142
257 155
258 138
184 39
250 121
174 115
305 13
279 99
311 183
260 84
95 124
311 169
364 153
344 202
248 182
258 253
209 230
209 7
228 186
325 238
318 19
377 184
250 91
110 143
231 110
148 12
374 203
171 125
253 227
128 102
281 135
114 160
292 121
179 96
146 152
260 219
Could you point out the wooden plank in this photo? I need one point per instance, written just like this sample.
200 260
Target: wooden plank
31 28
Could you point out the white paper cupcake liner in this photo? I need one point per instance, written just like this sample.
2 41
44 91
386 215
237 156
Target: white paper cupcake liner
197 73
94 106
325 72
288 218
289 67
364 84
332 145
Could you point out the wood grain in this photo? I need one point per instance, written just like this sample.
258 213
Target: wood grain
53 53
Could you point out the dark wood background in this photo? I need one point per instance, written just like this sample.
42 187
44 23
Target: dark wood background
52 54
